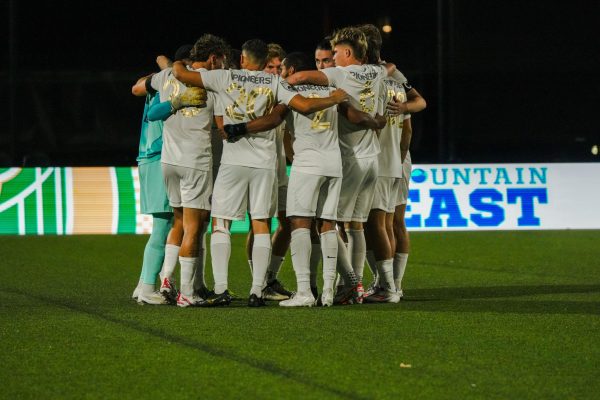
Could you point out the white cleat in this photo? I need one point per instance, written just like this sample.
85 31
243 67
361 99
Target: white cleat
188 301
137 291
327 298
155 298
299 300
382 295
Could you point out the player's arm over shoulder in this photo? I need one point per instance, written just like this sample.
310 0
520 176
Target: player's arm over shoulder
184 75
313 77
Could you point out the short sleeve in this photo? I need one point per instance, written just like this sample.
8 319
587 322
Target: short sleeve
335 76
286 92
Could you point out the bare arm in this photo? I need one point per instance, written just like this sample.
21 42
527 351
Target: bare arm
163 62
139 88
287 145
269 121
182 74
307 105
415 102
406 137
314 77
361 118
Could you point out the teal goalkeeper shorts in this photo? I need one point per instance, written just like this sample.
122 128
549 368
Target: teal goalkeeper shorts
153 195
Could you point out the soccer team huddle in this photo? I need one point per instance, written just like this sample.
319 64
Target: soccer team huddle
218 126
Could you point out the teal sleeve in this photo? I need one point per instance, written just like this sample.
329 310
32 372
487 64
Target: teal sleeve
160 111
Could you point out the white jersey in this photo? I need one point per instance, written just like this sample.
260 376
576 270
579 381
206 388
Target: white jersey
390 161
364 84
186 134
316 144
246 95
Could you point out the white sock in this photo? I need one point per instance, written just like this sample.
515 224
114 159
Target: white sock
188 270
371 262
359 251
170 262
274 267
385 271
250 265
344 267
300 247
315 259
199 281
261 254
329 248
220 251
400 260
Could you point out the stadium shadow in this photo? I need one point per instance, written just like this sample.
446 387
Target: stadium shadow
497 299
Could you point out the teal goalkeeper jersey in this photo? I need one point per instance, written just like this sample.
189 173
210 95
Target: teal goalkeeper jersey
151 134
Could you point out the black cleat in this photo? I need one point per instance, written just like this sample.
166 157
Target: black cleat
315 293
276 291
217 300
255 301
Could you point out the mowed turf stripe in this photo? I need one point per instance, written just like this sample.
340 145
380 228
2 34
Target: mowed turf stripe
267 367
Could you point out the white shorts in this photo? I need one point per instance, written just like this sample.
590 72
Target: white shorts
239 189
187 187
405 181
358 187
386 194
313 195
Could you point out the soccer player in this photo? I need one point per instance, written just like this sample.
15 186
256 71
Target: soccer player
324 54
359 147
247 173
187 168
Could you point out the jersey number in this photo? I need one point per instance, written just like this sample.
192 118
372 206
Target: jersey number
243 106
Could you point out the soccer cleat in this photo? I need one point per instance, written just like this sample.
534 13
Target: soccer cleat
276 291
371 289
155 298
168 290
351 295
327 297
359 293
400 293
222 299
188 301
137 291
204 292
382 295
255 301
299 300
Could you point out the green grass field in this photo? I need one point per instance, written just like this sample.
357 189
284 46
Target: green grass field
508 315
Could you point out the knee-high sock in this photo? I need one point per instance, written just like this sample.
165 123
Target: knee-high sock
188 270
171 258
315 259
343 264
154 253
400 260
261 255
300 247
359 251
329 249
385 271
220 252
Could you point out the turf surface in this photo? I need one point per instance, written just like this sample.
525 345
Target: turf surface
486 315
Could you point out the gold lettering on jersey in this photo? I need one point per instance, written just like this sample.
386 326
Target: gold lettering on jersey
316 123
174 85
235 110
395 120
189 112
254 93
367 98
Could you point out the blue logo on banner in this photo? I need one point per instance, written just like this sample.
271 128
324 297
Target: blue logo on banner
418 175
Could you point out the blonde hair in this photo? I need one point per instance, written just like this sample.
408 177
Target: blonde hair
352 37
275 50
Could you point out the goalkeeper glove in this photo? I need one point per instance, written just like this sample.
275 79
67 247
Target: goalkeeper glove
191 97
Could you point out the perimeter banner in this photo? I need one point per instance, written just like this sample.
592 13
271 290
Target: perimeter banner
105 200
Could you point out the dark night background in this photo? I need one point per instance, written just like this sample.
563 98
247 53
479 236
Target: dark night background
510 81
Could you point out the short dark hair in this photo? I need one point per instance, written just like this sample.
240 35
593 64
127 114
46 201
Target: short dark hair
233 59
183 52
324 44
257 51
374 40
207 45
300 61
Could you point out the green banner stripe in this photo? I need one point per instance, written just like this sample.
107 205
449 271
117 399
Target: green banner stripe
126 200
30 215
49 204
9 221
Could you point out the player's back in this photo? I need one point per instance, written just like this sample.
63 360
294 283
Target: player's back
246 95
364 85
390 163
